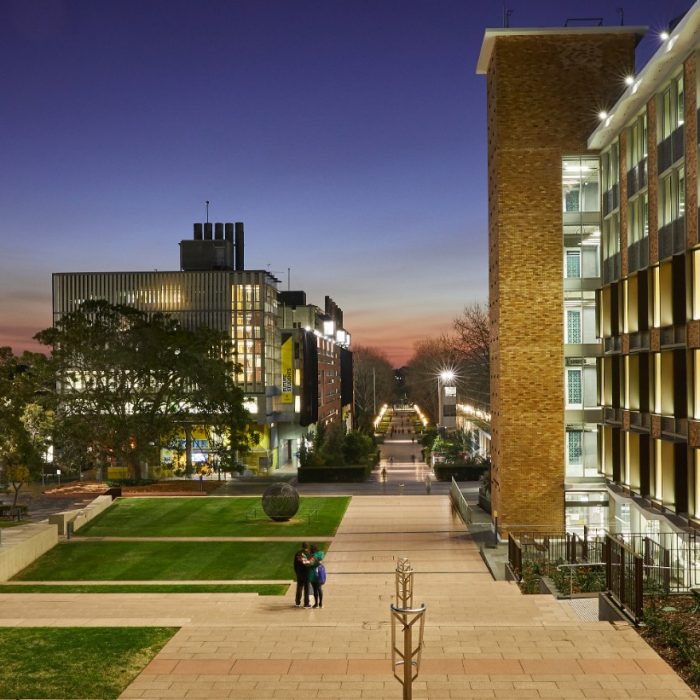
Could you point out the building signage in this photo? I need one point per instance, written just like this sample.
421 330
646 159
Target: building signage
288 371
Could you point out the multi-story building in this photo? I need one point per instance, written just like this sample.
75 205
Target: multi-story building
214 289
594 269
545 87
316 368
649 301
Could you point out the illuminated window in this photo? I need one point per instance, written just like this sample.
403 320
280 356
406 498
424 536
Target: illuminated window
573 326
574 388
573 263
574 445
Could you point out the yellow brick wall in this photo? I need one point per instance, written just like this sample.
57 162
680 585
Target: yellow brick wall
544 93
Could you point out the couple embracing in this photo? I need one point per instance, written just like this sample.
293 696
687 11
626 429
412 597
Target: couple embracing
309 570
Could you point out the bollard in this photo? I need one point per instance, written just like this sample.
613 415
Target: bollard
408 656
404 583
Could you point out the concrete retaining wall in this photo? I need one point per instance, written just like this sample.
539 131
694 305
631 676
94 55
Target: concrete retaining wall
80 516
21 545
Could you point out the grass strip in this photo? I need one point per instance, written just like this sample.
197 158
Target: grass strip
214 517
75 662
259 588
83 560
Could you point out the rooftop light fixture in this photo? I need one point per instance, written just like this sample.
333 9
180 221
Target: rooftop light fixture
629 80
602 115
664 35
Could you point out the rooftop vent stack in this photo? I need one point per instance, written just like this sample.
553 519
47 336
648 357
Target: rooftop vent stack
240 252
219 232
207 231
198 232
228 232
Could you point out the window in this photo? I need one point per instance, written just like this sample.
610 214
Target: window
639 218
672 107
580 177
610 167
573 326
574 389
637 150
574 446
573 263
611 236
672 197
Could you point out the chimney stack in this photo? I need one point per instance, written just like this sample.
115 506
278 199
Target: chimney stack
240 259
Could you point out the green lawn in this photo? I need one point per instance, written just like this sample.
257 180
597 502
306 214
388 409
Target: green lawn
164 561
71 662
259 588
213 517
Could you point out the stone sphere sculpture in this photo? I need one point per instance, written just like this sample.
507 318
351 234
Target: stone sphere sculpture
280 501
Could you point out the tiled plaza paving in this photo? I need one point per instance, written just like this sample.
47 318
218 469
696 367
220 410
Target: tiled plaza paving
483 639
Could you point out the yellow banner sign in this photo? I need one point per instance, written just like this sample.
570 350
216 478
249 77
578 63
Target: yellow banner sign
288 371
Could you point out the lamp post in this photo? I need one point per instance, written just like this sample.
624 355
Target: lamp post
446 379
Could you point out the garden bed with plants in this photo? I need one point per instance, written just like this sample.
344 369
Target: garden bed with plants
585 579
672 629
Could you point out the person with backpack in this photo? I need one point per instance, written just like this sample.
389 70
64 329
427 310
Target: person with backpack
317 575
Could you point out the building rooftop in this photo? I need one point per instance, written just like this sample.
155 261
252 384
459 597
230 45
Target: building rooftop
490 36
668 57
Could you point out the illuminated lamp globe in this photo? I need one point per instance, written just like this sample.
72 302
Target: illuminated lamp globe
280 501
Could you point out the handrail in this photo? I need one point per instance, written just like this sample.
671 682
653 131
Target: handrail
460 502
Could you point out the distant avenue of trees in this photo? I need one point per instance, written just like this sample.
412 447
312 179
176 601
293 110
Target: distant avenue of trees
465 352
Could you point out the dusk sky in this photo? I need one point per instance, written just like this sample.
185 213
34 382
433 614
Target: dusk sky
348 135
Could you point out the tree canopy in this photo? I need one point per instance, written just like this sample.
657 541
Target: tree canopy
127 381
26 418
466 353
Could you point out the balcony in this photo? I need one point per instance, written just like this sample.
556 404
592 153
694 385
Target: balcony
638 255
611 199
672 238
613 344
674 427
637 178
612 415
671 149
612 268
640 422
639 341
672 335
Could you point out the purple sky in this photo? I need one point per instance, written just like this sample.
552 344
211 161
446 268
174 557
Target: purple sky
348 135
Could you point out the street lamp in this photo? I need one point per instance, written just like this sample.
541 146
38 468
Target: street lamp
447 399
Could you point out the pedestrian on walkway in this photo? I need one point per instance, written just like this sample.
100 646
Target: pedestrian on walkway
301 570
317 575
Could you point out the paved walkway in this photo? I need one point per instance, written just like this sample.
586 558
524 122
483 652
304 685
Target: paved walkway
483 638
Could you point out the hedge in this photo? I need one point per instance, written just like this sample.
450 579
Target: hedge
350 474
461 472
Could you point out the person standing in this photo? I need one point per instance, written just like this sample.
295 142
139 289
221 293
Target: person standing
301 570
317 575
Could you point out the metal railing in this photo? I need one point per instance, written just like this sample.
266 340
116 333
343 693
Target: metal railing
554 548
460 503
624 576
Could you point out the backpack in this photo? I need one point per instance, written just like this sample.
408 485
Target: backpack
321 574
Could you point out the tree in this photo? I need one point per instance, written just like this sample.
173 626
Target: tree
16 474
127 382
430 357
25 413
472 343
374 384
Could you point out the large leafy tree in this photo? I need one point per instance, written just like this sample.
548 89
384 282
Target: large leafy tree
127 382
374 384
26 418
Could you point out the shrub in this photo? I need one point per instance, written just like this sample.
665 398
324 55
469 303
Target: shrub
468 471
347 474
